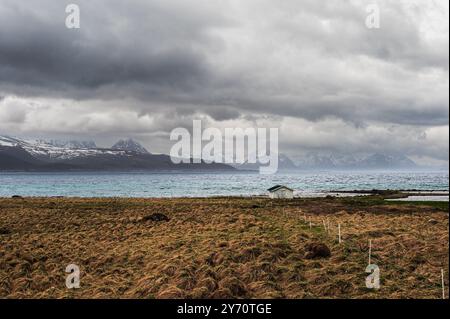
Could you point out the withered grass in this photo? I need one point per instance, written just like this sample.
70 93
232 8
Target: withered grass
219 248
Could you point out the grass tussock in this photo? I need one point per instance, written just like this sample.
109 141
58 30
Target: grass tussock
221 248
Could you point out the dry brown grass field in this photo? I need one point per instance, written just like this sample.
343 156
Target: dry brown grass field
220 248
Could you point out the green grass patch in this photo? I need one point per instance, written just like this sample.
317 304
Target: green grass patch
438 205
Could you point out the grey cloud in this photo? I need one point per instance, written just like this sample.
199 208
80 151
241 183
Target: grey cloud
44 55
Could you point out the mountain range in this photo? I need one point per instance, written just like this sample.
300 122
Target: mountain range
316 161
363 162
19 154
40 155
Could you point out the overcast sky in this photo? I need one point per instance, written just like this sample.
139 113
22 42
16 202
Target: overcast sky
140 68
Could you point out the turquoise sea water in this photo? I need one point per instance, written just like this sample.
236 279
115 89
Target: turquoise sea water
145 184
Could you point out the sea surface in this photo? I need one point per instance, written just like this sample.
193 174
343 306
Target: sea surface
184 184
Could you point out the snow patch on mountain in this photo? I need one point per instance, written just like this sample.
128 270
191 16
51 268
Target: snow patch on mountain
72 144
6 141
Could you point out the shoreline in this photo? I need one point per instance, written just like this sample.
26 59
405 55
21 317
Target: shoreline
388 194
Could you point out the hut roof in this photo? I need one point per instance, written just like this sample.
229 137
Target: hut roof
277 187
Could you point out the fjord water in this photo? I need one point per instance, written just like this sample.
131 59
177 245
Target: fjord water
188 184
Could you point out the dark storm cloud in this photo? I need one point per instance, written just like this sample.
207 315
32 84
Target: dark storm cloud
52 60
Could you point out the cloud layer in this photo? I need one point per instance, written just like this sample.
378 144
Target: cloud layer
312 68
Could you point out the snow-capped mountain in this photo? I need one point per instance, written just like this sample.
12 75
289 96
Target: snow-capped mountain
18 155
129 145
44 150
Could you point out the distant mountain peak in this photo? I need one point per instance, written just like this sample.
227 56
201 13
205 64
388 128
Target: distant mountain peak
388 161
368 161
129 145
